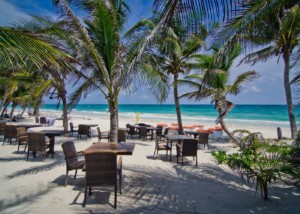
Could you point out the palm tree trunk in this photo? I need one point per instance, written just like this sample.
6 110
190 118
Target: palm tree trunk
224 127
65 112
177 105
113 109
288 94
23 109
14 105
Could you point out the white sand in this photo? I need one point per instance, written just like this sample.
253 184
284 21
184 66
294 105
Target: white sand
150 184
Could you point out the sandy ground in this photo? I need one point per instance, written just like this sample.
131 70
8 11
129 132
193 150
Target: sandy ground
151 184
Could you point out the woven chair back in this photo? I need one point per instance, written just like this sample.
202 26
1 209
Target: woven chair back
70 153
36 142
2 125
10 131
203 138
189 147
121 136
101 169
143 132
83 129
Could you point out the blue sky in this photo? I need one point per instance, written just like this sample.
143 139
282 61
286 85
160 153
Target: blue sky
267 89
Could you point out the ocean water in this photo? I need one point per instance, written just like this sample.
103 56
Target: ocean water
265 115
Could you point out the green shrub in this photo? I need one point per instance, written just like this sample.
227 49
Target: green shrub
261 162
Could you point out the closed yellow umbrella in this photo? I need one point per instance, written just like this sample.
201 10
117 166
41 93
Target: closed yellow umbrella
137 117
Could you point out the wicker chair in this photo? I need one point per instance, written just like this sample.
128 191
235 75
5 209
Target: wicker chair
22 138
121 136
101 170
43 121
132 132
161 145
203 139
159 131
188 148
71 157
83 130
72 130
2 125
143 133
37 143
37 120
102 135
10 132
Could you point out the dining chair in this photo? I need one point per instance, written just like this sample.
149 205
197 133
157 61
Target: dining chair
22 138
71 157
187 148
37 143
102 135
132 131
161 145
100 170
143 133
83 130
43 121
203 139
72 129
121 136
2 125
10 132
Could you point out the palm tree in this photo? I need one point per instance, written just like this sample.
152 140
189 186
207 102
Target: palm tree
101 52
215 83
171 51
273 26
193 14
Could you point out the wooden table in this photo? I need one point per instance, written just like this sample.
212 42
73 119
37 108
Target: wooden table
27 126
173 138
51 134
192 133
117 148
149 128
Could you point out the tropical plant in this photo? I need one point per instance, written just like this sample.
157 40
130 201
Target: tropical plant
262 163
273 27
101 52
169 55
215 83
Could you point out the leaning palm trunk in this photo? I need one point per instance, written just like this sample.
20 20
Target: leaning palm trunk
14 105
177 105
224 127
288 95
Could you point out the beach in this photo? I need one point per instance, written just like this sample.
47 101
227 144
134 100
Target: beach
151 184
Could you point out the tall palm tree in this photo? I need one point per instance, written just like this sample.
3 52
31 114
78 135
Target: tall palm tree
171 51
101 52
215 83
274 27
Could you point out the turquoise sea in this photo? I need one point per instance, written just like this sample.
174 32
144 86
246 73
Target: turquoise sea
241 114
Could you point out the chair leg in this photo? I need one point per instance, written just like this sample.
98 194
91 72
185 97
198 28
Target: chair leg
27 155
75 174
84 200
18 148
120 181
181 160
90 190
196 160
66 179
25 148
116 190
